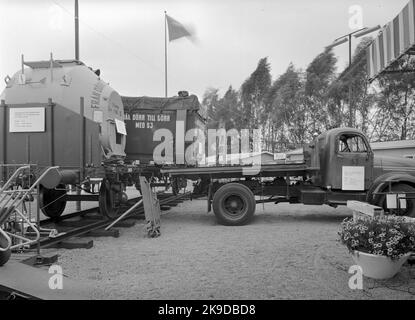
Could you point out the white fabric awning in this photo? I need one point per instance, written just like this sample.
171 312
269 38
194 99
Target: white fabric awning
395 40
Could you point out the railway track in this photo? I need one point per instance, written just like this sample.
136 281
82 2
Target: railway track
85 212
94 225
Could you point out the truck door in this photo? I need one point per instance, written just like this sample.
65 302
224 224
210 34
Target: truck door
354 164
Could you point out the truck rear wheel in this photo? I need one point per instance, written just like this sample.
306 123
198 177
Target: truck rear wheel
234 204
4 255
410 203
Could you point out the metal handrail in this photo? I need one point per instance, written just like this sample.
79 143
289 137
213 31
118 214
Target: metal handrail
14 200
11 179
34 185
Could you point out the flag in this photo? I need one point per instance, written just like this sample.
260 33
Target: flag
176 29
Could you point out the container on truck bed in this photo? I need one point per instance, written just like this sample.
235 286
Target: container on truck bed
145 115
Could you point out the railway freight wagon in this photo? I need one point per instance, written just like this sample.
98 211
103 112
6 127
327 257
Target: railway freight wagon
144 116
60 113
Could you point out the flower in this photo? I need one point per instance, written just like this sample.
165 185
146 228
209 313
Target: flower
390 236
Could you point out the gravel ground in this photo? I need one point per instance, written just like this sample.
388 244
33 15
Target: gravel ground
288 252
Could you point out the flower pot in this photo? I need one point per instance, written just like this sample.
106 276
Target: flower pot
377 266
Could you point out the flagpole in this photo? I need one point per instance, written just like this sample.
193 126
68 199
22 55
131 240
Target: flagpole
165 53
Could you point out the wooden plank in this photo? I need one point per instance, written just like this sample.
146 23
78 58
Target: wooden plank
365 208
409 219
35 282
151 208
358 215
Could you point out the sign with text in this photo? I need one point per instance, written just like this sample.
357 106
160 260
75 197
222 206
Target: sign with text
27 119
353 178
120 125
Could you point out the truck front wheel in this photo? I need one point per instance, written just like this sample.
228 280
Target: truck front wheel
234 204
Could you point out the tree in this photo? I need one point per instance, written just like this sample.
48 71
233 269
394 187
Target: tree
319 75
286 109
230 109
298 104
211 103
396 103
222 112
350 102
253 95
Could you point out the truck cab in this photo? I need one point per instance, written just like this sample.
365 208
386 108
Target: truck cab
345 160
349 170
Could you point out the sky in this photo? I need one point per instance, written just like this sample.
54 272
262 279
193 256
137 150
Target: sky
125 38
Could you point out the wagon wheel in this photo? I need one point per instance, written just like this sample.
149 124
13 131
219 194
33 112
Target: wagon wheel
4 255
52 201
109 205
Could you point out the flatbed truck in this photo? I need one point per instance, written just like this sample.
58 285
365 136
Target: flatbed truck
339 165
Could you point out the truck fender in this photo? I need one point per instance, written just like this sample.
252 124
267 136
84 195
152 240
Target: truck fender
382 182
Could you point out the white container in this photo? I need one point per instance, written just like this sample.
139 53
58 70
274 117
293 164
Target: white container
377 266
65 82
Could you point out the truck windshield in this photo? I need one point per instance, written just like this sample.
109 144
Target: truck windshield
352 143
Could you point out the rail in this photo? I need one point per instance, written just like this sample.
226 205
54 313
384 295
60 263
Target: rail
79 231
10 201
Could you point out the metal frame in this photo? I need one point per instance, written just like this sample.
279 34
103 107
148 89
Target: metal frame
10 200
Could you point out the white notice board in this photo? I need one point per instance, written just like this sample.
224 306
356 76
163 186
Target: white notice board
120 126
353 178
27 119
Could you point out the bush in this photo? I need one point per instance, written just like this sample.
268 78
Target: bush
389 236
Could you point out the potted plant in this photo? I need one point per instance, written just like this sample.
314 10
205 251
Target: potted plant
380 246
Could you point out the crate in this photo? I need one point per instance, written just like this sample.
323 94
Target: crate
145 115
